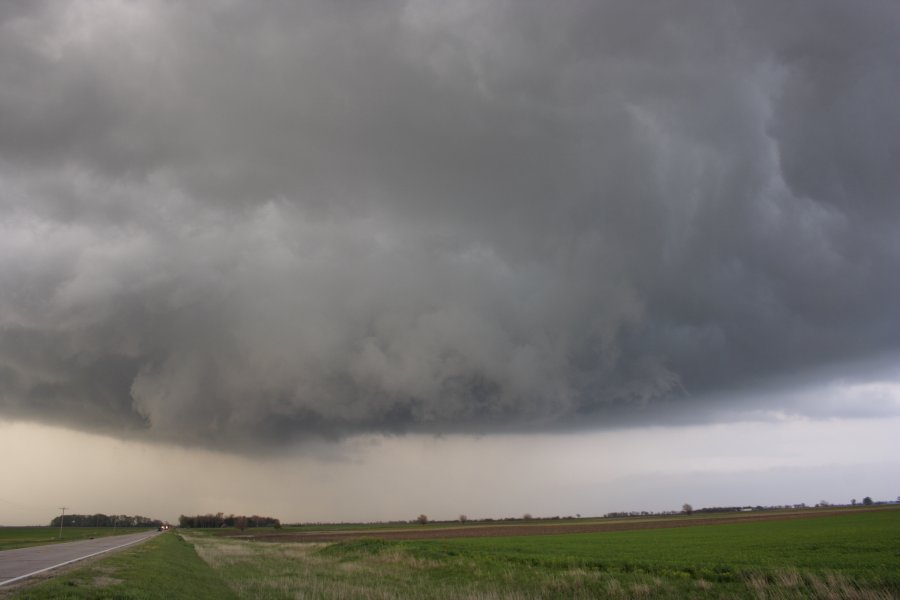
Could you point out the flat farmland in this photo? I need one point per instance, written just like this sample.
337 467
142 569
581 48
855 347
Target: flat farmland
517 528
837 554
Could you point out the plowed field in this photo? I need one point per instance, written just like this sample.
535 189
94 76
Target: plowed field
527 529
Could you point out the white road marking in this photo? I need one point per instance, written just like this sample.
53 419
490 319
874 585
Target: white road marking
68 562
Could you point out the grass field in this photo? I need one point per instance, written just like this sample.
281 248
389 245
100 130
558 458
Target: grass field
164 568
851 555
22 537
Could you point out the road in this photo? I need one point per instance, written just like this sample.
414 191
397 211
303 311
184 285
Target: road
21 563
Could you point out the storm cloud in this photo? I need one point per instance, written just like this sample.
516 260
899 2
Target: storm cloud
238 224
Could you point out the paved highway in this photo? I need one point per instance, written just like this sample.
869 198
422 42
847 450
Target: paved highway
18 564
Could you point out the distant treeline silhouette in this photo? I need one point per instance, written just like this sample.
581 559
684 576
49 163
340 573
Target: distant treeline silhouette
101 520
222 520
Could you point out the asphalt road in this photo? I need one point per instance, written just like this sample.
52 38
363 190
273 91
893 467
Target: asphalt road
21 563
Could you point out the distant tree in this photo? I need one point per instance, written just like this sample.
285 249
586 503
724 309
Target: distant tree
853 502
823 504
527 516
240 523
422 519
687 509
101 520
463 518
867 501
220 520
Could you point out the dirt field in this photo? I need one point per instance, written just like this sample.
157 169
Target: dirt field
522 529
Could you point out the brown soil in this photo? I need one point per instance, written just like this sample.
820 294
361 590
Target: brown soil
521 529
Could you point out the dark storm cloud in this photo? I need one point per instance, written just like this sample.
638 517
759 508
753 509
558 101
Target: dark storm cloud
243 223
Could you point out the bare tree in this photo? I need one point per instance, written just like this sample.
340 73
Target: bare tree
463 518
240 523
687 509
422 519
527 516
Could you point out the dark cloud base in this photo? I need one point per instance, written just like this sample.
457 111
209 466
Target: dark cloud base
242 226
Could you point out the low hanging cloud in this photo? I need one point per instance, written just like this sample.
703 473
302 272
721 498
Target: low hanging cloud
241 224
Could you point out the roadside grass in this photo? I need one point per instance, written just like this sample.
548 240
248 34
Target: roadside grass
163 568
856 556
23 537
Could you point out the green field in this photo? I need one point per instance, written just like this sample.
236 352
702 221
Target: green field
862 548
856 555
851 556
22 537
865 545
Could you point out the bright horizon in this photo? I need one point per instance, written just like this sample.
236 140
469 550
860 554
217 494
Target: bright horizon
398 478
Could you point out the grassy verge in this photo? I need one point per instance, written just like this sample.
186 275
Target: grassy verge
851 557
23 537
163 568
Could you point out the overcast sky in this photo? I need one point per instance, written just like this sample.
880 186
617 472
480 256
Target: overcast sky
318 245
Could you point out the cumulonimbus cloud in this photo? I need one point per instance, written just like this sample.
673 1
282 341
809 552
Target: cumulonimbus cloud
237 224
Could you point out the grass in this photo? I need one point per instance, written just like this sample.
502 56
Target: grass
163 568
859 544
23 537
852 556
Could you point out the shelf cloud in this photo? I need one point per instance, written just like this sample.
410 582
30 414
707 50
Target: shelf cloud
243 224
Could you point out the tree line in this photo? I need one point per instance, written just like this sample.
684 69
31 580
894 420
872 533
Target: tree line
101 520
222 520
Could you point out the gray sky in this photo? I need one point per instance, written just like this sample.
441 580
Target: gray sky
258 232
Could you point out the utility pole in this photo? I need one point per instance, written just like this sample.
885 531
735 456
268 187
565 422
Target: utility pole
62 519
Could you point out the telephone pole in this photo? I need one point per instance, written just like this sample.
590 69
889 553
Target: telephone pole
62 519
